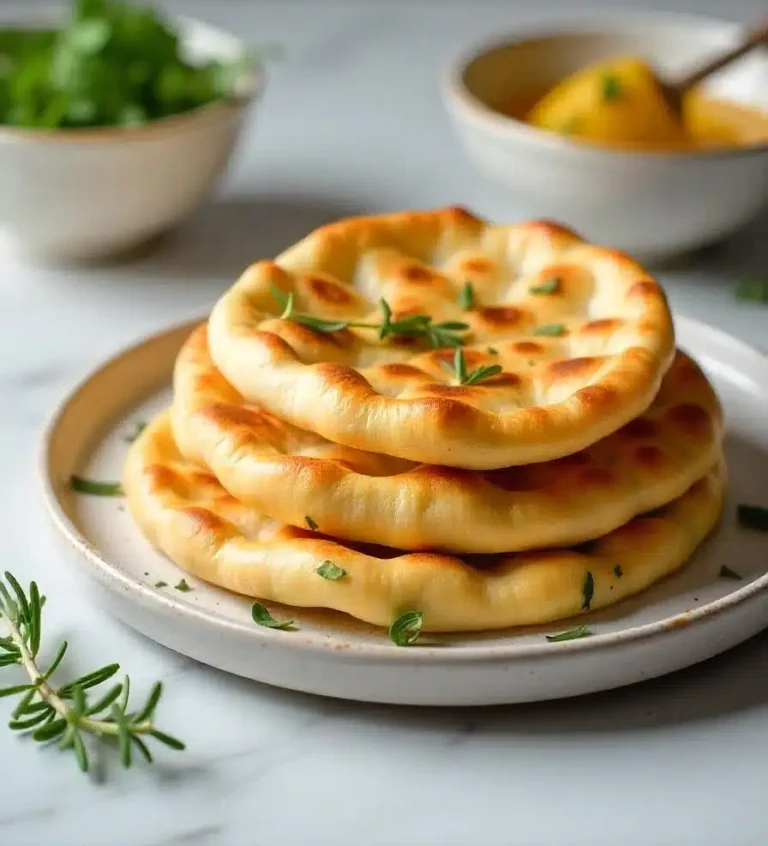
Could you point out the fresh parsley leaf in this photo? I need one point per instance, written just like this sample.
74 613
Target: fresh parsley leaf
110 64
587 591
183 586
262 617
727 573
617 571
752 517
88 486
467 296
548 286
406 628
551 329
753 290
571 634
610 88
310 523
328 570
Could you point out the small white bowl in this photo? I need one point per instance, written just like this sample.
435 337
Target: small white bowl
651 204
85 194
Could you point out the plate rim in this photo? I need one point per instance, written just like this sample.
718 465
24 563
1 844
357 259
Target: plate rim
327 644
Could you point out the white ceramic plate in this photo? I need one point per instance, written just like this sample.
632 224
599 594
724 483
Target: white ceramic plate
685 619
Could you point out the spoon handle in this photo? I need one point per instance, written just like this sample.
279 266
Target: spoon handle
754 38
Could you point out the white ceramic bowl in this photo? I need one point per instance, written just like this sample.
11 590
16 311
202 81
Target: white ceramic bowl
651 204
88 193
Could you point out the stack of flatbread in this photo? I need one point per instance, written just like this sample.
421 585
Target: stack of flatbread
488 425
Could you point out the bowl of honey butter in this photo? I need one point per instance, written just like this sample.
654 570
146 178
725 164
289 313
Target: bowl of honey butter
571 119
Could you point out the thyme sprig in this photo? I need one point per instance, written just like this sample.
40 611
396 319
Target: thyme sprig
445 334
470 377
66 714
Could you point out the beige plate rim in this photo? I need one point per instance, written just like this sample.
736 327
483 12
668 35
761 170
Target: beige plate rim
116 581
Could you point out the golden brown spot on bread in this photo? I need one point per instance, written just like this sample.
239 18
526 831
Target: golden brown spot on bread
506 316
341 377
417 273
224 415
398 369
644 288
477 265
528 347
689 416
640 427
575 459
160 476
329 291
602 327
597 397
567 368
551 227
203 521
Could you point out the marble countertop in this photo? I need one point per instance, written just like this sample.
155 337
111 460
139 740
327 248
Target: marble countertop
352 122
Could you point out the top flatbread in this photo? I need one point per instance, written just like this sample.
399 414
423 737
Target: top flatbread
558 393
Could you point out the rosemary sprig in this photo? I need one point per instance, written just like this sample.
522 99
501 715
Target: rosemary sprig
443 334
471 377
66 714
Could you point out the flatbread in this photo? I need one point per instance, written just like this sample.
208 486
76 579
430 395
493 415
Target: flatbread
187 515
290 473
557 394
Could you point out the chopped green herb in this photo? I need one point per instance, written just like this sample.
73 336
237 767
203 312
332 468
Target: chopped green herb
472 377
262 617
140 426
161 584
467 296
548 286
617 571
588 591
753 290
88 486
752 517
727 573
406 628
111 64
413 326
571 634
493 351
611 88
328 570
183 586
310 523
551 329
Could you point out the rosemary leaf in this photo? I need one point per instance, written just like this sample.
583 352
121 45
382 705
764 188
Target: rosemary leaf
548 286
571 634
310 523
550 329
88 486
467 296
588 591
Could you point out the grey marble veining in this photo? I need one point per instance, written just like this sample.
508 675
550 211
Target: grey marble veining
352 122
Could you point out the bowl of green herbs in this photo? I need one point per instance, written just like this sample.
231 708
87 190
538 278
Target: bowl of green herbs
114 125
